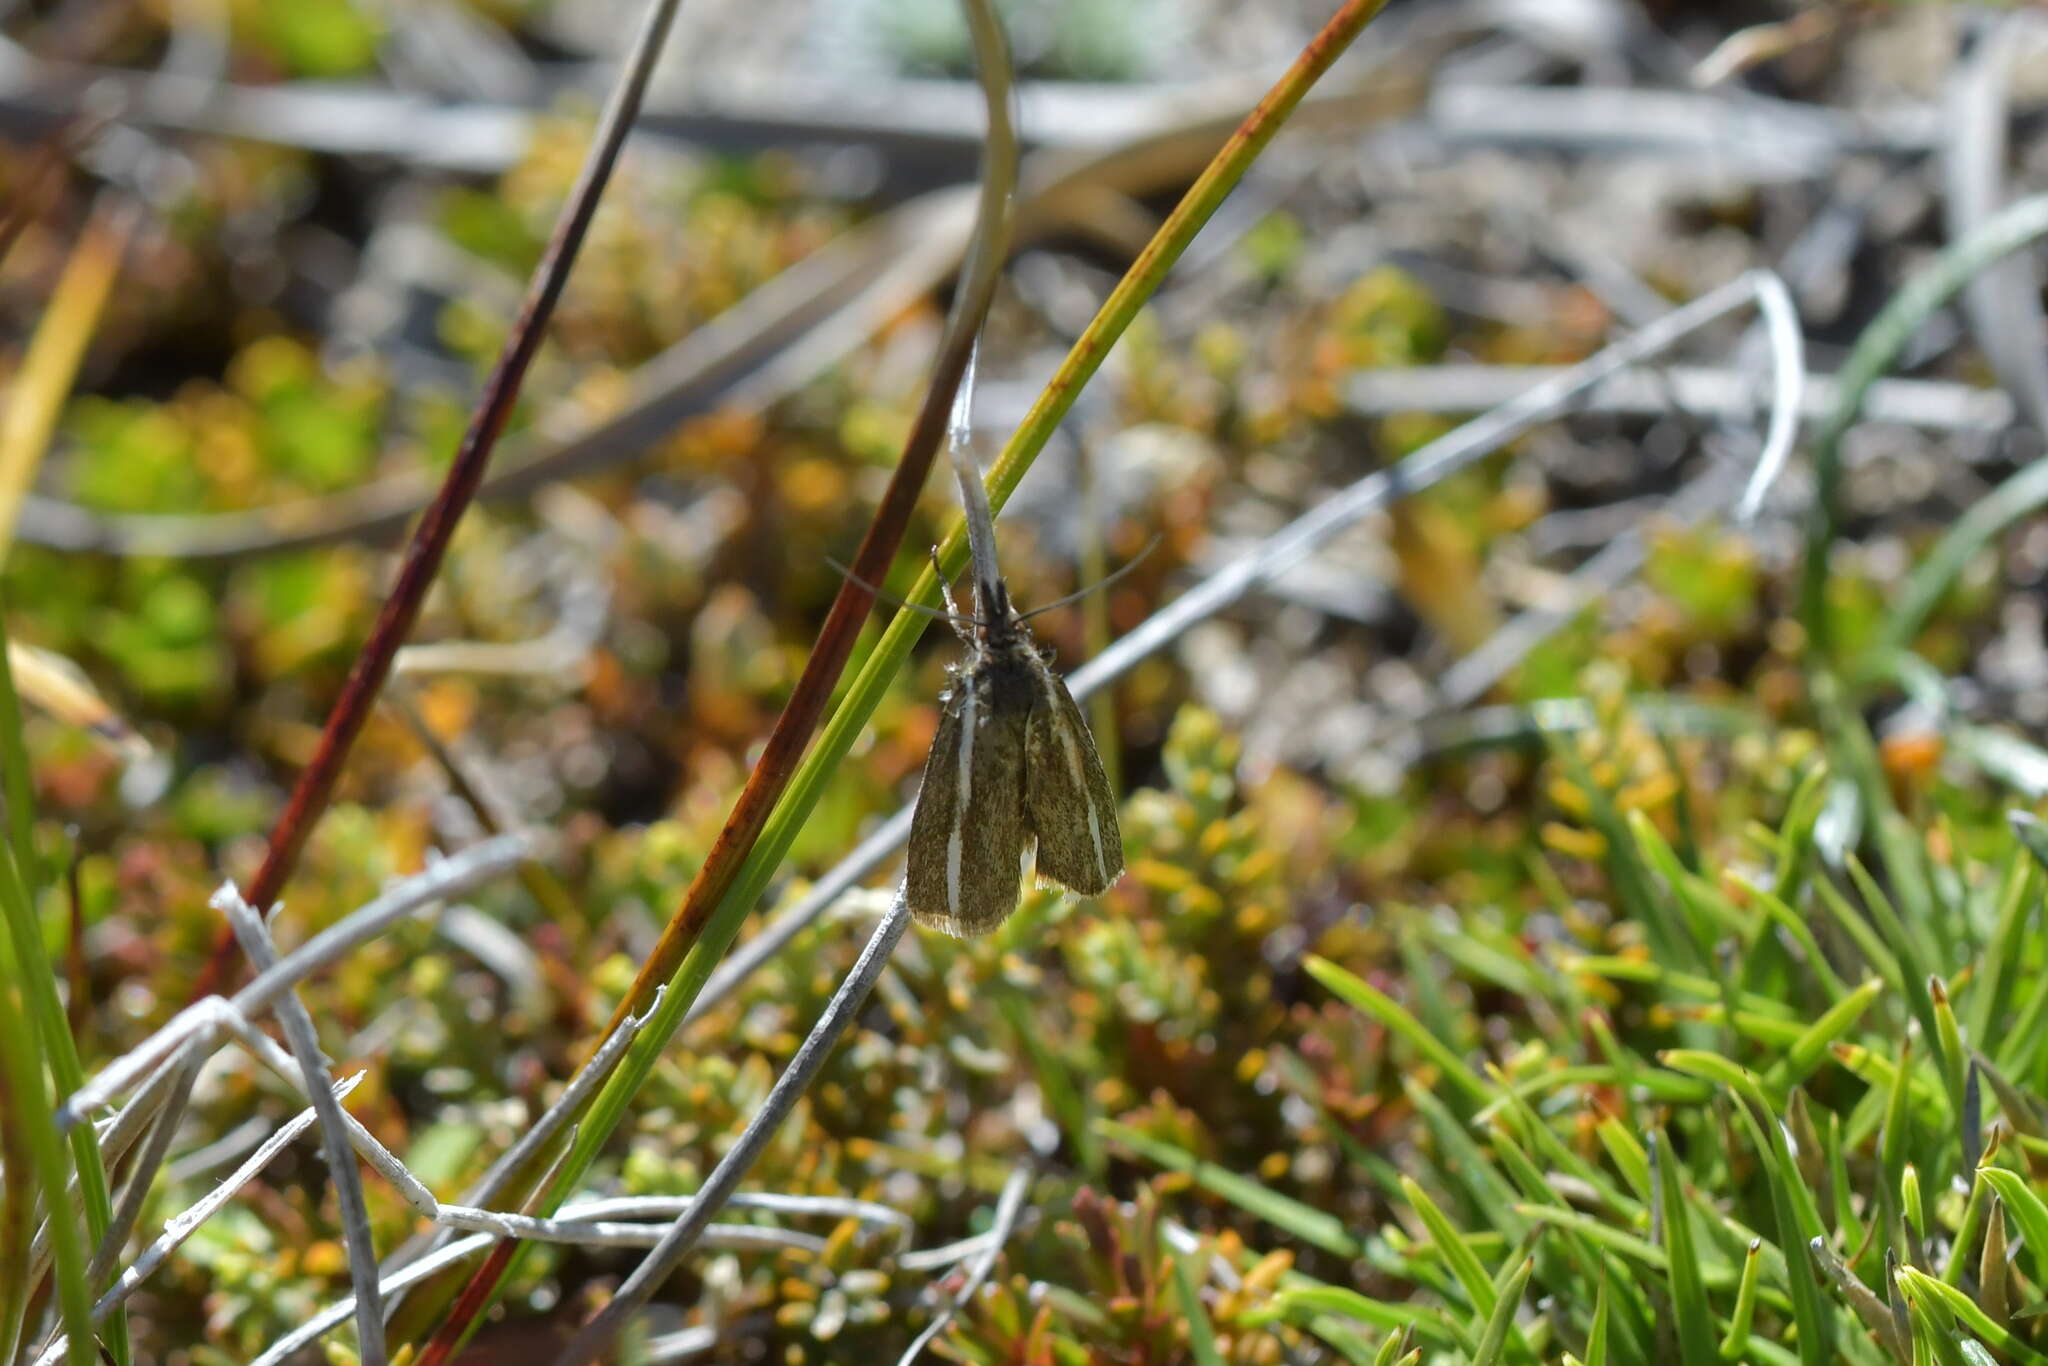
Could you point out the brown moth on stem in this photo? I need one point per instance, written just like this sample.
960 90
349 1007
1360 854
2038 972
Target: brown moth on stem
1013 763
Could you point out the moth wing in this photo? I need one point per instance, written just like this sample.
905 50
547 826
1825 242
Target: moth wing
967 835
1067 801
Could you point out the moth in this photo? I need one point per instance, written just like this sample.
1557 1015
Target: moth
1012 765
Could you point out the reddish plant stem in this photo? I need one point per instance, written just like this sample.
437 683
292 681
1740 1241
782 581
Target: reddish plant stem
474 1298
429 544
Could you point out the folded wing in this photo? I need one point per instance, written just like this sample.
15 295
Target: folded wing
967 837
1067 801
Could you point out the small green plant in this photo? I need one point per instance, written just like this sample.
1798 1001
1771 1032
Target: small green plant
1794 1125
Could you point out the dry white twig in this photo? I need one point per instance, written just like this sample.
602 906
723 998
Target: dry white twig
299 1033
570 1224
338 1313
1008 1205
932 1258
1788 382
1471 676
603 1223
682 1344
566 1228
186 1222
1706 392
367 1146
221 1018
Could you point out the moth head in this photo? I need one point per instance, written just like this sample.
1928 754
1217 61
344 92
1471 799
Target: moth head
992 604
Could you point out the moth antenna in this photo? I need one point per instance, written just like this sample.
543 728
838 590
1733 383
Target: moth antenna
948 613
991 598
1105 581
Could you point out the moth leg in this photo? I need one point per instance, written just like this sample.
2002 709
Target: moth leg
953 613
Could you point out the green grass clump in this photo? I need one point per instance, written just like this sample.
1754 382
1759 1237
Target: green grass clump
1707 1107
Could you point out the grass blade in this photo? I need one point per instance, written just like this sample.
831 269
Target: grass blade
1201 1333
1696 1335
1361 994
2028 1211
1312 1226
1969 1315
1464 1265
1493 1341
